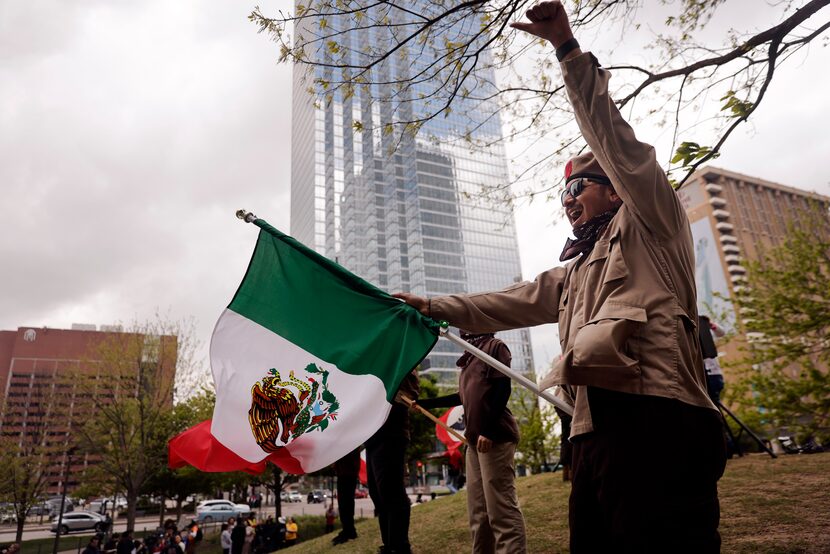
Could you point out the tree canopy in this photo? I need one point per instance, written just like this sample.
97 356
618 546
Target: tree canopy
129 424
421 62
784 381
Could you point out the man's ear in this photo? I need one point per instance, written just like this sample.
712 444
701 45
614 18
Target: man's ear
615 198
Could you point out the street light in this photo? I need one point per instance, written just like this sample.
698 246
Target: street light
63 497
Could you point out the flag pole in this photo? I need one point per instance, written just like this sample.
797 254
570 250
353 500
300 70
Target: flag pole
412 404
519 378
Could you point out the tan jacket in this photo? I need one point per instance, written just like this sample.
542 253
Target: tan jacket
626 310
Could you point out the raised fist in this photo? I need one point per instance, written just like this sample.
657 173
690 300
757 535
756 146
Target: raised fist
548 21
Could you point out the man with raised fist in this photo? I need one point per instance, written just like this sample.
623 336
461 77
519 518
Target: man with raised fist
647 446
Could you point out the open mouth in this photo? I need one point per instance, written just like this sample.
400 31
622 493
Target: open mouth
574 213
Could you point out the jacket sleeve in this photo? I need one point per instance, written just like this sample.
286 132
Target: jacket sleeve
449 401
630 164
522 305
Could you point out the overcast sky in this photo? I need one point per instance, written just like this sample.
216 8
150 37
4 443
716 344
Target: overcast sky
130 132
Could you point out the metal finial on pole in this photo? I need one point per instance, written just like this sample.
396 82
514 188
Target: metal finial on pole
247 217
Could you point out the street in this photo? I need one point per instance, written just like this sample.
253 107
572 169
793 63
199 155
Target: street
363 508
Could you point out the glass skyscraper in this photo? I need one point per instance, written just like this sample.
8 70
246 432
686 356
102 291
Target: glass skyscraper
407 213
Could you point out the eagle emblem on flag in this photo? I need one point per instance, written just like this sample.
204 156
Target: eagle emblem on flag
282 410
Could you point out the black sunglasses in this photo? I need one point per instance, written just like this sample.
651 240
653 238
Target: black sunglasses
575 187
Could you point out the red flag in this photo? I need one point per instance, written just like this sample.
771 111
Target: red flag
363 474
454 419
198 447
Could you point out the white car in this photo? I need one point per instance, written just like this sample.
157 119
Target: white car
78 521
210 505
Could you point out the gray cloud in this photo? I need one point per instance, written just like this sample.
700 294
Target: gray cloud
131 132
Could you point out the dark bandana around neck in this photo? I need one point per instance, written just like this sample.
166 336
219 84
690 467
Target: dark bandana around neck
586 235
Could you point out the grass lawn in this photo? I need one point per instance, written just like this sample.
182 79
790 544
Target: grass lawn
67 543
767 506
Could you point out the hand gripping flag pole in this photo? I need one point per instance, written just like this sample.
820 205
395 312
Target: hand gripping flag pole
491 361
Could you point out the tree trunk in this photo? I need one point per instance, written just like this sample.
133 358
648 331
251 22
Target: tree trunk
20 521
179 502
132 501
277 490
162 510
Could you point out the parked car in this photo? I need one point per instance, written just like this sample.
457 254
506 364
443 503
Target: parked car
40 510
78 521
210 505
219 513
54 504
290 496
316 497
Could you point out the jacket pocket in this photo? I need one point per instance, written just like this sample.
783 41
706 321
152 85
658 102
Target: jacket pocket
606 263
616 267
603 341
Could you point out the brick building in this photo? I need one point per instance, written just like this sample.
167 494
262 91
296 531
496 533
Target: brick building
53 379
733 217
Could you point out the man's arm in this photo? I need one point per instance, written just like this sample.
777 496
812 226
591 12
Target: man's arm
523 305
630 164
449 401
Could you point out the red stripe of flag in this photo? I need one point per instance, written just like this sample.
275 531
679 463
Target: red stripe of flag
199 448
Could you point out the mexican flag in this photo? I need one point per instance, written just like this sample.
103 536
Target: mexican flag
306 362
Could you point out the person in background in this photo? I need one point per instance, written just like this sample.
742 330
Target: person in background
714 374
250 533
347 470
386 471
292 532
331 517
238 537
93 547
110 545
496 521
225 539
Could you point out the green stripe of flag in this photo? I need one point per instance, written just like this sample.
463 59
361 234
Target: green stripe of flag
330 312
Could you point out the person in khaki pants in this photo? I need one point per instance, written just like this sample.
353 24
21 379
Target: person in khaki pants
496 521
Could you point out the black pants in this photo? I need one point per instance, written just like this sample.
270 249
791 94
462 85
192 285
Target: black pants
566 448
385 454
346 485
347 469
645 480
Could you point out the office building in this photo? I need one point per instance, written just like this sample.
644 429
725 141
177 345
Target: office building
734 217
55 379
406 213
